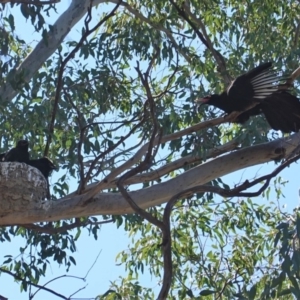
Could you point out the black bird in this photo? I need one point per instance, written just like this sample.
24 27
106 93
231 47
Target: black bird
19 153
44 164
259 85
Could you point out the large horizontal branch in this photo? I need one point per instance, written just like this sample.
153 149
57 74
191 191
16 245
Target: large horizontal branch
178 164
110 178
169 167
114 203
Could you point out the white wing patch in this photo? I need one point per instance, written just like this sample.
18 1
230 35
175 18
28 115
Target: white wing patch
264 84
229 87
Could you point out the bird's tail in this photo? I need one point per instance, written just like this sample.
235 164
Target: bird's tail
282 111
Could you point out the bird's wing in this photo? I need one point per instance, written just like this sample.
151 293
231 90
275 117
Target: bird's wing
282 111
17 155
258 83
9 155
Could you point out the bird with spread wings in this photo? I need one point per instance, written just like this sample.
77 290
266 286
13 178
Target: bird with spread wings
260 91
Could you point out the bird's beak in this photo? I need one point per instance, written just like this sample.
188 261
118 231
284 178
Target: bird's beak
201 101
55 168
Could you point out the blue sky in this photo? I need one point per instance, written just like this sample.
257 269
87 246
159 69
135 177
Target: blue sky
112 240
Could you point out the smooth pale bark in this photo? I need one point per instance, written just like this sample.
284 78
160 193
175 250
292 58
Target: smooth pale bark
113 203
43 50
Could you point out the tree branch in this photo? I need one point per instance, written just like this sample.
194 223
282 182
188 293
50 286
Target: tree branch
235 192
114 203
187 15
33 284
159 27
71 55
43 51
65 228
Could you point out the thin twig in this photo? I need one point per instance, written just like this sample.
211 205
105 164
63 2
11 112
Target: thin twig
65 228
195 24
16 277
82 136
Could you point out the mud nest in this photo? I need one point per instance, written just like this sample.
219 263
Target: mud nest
21 186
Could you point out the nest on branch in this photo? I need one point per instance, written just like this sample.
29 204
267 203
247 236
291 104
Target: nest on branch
21 186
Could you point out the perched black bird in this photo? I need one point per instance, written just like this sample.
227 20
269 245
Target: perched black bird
19 153
44 164
259 85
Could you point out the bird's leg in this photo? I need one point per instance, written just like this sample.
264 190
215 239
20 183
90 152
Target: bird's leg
48 190
233 115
